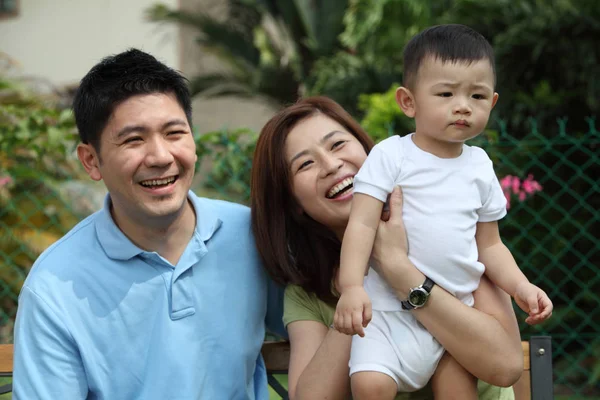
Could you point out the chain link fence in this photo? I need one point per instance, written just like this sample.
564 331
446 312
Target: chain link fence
551 180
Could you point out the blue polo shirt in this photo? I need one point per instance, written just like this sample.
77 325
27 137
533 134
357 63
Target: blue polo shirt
99 318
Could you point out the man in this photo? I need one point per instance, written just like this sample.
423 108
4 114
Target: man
160 294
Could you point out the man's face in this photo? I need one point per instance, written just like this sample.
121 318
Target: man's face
147 158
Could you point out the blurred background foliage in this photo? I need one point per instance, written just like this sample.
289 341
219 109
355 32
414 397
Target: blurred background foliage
547 52
37 140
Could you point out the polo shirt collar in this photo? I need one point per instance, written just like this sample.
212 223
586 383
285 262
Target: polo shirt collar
118 246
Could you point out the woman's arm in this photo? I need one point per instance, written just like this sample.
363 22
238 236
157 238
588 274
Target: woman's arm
318 362
485 340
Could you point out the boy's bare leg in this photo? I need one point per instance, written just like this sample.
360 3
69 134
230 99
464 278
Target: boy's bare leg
452 382
373 385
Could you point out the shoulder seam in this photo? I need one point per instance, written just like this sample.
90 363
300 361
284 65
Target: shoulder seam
49 307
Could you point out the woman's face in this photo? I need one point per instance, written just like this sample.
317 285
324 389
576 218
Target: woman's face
323 158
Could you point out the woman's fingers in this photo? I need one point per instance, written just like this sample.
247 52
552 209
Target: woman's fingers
396 204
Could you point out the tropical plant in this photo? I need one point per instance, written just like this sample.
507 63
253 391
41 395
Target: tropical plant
228 155
382 116
268 46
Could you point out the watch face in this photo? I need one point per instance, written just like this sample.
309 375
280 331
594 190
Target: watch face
418 297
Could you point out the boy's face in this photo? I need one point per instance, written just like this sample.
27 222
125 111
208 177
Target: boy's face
451 102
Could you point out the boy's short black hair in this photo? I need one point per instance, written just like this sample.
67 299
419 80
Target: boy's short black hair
117 78
448 43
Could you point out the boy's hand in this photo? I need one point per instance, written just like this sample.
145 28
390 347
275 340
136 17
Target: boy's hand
533 301
353 311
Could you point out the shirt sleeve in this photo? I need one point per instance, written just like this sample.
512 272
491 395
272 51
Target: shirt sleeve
273 319
379 173
494 204
300 306
47 364
494 207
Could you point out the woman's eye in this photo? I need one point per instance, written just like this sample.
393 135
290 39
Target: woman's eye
304 164
445 94
338 144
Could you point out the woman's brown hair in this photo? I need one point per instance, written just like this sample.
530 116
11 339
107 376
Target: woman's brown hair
294 248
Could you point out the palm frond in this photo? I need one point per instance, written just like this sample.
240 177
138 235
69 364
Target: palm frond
222 37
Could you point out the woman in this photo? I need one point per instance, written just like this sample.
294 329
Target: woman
304 163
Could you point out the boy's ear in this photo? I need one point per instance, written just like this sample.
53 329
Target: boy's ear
90 160
495 99
406 101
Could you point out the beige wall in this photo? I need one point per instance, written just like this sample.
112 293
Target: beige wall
61 39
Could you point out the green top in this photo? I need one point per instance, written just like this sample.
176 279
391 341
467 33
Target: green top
302 306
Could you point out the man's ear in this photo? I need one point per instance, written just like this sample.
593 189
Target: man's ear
90 160
406 101
495 99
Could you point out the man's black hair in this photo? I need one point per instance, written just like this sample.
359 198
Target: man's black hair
117 78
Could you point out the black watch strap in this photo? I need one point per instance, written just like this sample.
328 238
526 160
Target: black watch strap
427 286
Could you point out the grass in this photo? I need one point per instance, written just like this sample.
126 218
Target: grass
4 381
283 379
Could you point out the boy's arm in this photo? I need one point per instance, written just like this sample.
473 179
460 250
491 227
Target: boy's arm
500 265
353 311
47 364
358 240
502 269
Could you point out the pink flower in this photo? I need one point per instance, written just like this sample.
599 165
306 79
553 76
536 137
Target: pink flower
513 186
531 186
5 180
505 182
507 195
516 184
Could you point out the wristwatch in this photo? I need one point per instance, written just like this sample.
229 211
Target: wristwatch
417 297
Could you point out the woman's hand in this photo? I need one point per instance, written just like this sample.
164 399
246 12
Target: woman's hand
391 240
390 250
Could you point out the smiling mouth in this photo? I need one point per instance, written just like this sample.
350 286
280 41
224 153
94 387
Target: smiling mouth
340 188
159 183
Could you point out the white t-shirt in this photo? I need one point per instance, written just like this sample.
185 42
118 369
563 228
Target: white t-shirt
444 198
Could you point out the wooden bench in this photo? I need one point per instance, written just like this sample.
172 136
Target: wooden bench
535 383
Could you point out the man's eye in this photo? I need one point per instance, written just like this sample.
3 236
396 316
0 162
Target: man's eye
176 132
445 94
338 144
132 139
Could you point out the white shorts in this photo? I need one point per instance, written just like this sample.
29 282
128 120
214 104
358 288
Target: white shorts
397 345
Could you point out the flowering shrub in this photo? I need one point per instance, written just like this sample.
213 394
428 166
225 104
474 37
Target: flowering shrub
514 187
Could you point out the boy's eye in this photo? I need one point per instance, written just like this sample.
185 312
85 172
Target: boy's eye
445 94
479 96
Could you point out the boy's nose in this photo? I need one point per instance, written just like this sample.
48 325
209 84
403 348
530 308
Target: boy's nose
462 107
